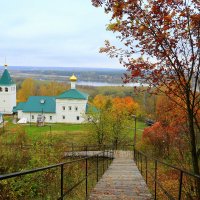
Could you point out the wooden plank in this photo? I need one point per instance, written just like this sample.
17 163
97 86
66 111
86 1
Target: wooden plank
122 181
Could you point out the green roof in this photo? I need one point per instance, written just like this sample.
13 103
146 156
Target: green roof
6 79
73 94
41 104
20 106
91 108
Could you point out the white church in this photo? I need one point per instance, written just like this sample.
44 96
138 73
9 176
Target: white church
7 93
68 107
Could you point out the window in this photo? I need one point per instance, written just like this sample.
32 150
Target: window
42 101
50 117
77 118
63 117
76 108
6 89
32 117
70 108
1 89
63 107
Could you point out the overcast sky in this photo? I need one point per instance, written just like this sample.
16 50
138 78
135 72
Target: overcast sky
61 33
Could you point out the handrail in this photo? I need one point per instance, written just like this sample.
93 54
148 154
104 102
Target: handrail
14 174
138 160
174 167
108 156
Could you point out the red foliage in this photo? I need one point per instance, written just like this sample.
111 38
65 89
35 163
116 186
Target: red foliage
165 35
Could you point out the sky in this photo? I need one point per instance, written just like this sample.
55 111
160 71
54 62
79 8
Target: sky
60 33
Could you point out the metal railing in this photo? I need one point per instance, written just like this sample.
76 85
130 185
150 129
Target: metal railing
105 155
148 167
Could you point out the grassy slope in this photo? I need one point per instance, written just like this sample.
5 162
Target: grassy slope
68 133
139 130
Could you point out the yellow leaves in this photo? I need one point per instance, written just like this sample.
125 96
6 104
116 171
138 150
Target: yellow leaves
52 89
28 88
100 101
117 105
113 26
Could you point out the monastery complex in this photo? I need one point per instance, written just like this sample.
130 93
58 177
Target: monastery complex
68 107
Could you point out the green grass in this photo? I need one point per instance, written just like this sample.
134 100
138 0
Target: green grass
60 132
68 133
140 126
31 129
64 132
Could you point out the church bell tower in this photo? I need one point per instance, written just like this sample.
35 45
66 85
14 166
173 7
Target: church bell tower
7 92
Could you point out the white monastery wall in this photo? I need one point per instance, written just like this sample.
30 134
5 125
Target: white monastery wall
70 111
7 98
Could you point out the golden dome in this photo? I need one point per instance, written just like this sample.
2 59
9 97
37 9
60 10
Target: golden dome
73 78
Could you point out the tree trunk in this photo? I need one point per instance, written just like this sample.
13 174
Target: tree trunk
193 149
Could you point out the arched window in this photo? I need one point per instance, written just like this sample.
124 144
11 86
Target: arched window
1 89
6 89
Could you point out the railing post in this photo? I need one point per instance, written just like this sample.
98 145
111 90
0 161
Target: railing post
61 181
107 158
155 184
180 185
146 169
110 155
141 163
113 153
86 177
97 167
103 157
86 150
72 150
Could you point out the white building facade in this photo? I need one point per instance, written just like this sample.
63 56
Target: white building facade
68 107
7 93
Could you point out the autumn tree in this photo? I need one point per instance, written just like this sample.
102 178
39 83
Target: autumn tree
111 118
28 88
97 116
168 135
52 88
161 45
120 116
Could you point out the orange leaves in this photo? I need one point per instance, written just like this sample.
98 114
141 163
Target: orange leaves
142 29
195 18
124 105
167 19
116 106
170 126
118 9
168 113
195 21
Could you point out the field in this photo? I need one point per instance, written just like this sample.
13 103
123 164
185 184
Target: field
68 133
